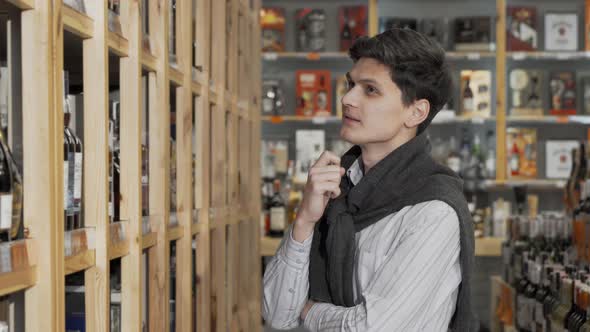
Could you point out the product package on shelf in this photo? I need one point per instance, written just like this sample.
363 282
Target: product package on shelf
277 154
78 241
341 90
272 26
521 146
474 34
561 31
114 22
558 156
587 25
273 99
14 256
521 28
476 94
526 92
309 146
77 5
311 30
118 232
437 29
562 86
387 23
314 93
352 25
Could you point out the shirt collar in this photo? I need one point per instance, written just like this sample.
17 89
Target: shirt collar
355 173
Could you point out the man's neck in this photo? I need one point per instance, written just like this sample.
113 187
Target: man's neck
373 153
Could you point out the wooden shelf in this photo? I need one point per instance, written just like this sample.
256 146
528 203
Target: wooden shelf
80 262
470 55
77 23
197 228
149 240
148 61
548 55
174 233
118 44
197 88
176 76
549 119
16 281
313 119
23 4
269 245
531 183
119 249
307 56
213 97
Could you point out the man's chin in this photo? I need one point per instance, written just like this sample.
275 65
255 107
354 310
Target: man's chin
347 136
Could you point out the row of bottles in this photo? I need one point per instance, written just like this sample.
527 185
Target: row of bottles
280 202
114 161
73 167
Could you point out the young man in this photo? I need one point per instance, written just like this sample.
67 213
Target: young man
383 240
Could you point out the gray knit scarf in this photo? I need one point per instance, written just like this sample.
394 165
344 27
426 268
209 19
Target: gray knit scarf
407 176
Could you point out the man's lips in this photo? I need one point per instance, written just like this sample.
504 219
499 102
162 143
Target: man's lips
351 118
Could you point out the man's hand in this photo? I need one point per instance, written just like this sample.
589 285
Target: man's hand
306 309
323 183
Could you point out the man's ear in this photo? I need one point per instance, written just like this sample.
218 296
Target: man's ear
418 113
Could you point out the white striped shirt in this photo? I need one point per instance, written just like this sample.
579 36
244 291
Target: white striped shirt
406 275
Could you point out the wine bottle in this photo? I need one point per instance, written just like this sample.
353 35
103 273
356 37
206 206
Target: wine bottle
467 98
5 197
69 160
278 212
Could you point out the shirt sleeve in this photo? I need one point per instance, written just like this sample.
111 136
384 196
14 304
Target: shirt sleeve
286 283
401 291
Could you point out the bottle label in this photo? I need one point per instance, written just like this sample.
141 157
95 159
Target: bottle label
71 176
78 161
66 182
144 179
468 104
277 218
454 164
514 163
6 211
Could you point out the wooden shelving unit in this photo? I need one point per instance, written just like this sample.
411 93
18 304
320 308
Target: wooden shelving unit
225 112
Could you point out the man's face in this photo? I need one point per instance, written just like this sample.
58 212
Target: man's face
373 111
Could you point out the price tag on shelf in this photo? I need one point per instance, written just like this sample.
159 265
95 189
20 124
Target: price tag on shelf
478 120
319 120
270 56
519 55
5 261
473 56
563 56
276 119
314 56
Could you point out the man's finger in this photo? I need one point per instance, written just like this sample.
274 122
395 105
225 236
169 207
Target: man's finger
325 169
327 158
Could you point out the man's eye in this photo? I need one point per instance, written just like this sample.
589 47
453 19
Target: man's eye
370 90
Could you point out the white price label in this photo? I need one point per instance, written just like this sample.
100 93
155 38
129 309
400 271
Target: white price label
270 56
5 259
473 56
319 120
518 55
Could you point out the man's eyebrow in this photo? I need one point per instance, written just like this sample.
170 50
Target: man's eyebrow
363 80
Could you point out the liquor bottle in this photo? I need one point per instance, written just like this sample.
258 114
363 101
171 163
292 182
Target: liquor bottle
346 32
5 198
522 308
490 163
467 98
111 207
266 195
570 201
278 212
453 160
16 182
69 160
514 160
76 161
172 32
116 162
145 183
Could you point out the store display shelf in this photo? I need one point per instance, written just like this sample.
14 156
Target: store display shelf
174 233
80 262
469 55
78 241
269 245
77 23
568 119
555 55
119 240
16 281
307 56
18 261
460 119
176 76
197 228
149 240
118 44
213 96
23 4
148 61
531 183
